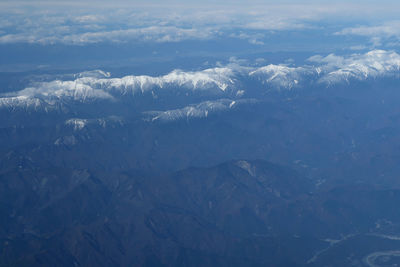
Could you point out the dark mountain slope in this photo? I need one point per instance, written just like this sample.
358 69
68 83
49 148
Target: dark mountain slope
242 213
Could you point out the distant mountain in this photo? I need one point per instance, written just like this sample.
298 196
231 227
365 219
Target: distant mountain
335 135
98 170
231 81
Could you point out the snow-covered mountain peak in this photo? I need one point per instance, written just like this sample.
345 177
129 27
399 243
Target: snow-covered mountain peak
280 76
215 78
229 81
78 124
75 90
24 102
373 64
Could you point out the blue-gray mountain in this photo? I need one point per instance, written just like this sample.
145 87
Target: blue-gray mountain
237 165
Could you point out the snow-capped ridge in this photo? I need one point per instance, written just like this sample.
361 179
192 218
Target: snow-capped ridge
373 64
208 79
200 110
79 123
88 86
25 103
74 90
280 76
228 81
20 101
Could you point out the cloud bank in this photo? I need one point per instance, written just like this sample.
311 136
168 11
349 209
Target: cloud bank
88 22
388 33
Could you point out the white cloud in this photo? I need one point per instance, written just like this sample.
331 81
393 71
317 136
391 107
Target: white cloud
149 34
87 18
275 24
358 47
377 33
329 60
81 22
69 23
154 33
255 38
387 29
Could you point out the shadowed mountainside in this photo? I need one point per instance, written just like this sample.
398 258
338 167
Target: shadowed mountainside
246 213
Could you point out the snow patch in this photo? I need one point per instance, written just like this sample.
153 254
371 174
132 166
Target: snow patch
247 167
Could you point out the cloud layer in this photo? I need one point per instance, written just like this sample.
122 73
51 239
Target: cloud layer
87 22
384 34
53 26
